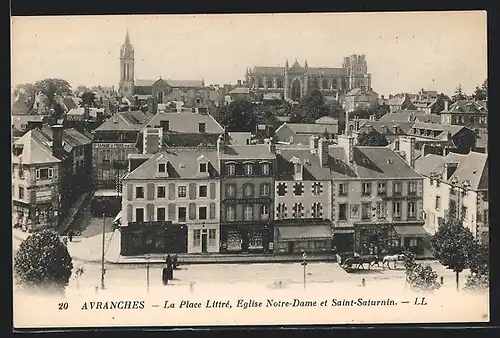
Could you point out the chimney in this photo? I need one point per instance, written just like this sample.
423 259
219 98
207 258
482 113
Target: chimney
372 117
407 144
323 152
239 83
220 144
152 140
86 112
57 140
347 142
272 146
446 105
313 143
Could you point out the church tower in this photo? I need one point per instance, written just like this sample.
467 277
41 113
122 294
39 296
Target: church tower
126 87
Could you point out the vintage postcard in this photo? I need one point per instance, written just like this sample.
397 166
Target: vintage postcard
250 169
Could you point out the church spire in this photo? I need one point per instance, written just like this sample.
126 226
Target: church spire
127 50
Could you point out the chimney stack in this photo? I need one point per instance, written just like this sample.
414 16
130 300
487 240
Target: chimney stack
152 140
57 141
446 105
347 142
407 144
220 144
323 152
313 143
272 146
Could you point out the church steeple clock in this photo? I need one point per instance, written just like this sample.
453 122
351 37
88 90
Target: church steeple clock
126 87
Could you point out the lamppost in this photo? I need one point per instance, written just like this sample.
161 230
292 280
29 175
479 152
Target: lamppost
147 273
304 264
103 271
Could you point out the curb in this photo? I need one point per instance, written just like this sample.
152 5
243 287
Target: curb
239 261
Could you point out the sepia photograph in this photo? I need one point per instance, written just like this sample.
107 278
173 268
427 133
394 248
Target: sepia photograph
249 169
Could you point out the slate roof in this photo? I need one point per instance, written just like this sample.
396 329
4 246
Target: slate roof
144 83
71 136
268 70
396 101
250 152
359 92
186 122
34 150
482 141
239 138
425 103
472 167
19 120
240 90
313 171
379 126
410 116
465 106
326 120
182 164
310 128
327 71
171 83
125 121
444 128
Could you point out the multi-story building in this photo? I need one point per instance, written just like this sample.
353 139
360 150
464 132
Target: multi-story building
302 202
456 186
113 141
360 99
377 199
247 181
171 201
399 102
299 133
470 114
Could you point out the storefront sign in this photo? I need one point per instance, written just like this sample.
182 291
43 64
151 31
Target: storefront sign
248 201
114 145
243 226
44 195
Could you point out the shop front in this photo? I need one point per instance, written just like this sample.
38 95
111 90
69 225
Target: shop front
243 237
107 202
28 217
414 238
161 237
297 238
343 240
376 240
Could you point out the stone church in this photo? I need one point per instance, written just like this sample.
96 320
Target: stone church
294 82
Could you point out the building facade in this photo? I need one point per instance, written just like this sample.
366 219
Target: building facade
294 82
466 113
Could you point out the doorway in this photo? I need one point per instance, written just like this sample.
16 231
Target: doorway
204 243
291 247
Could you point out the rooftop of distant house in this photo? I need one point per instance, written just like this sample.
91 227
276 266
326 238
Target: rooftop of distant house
186 122
125 121
310 128
467 107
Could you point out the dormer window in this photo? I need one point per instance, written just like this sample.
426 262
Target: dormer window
231 169
248 169
201 127
203 167
265 168
162 168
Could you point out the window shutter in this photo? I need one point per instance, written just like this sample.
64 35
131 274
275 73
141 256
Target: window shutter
130 192
212 210
129 212
256 212
150 212
192 191
192 211
212 190
150 191
171 211
171 191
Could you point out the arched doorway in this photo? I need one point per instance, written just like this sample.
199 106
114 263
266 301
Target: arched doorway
295 90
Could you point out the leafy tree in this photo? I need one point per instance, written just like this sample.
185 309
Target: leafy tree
82 89
43 262
459 94
479 268
372 138
52 87
239 115
452 245
481 93
419 277
88 98
25 92
311 108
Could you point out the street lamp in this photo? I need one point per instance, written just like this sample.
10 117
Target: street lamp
103 271
304 264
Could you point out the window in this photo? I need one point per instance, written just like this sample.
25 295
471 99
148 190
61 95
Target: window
265 189
317 210
438 202
230 190
317 188
201 127
181 214
412 210
230 213
248 212
453 191
162 168
21 192
139 192
181 191
202 213
354 211
298 210
343 188
202 191
165 125
160 214
281 189
397 188
265 168
21 174
381 210
211 237
248 190
264 212
431 181
248 169
367 189
203 168
231 169
298 189
281 211
366 210
196 237
44 173
464 212
381 188
139 215
396 210
160 192
343 212
486 216
412 188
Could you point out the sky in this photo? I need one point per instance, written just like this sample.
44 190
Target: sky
404 51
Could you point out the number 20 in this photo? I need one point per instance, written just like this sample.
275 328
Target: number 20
63 306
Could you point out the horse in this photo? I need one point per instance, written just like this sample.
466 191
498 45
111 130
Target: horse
393 258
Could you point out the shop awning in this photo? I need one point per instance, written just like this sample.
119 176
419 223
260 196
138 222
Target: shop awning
118 218
302 232
415 230
106 193
343 231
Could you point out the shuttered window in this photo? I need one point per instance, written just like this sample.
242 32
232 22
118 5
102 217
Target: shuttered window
192 211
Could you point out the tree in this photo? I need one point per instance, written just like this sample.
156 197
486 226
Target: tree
459 95
239 115
372 138
478 280
452 245
481 93
43 263
419 277
88 99
82 89
25 92
311 108
52 87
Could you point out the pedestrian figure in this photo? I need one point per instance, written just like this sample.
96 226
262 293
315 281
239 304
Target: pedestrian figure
70 235
175 262
164 276
169 268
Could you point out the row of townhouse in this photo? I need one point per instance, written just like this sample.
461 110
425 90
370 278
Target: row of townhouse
270 198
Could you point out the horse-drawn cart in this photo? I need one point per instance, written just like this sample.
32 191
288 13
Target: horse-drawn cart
352 261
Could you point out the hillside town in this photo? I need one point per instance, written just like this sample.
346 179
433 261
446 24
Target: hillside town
290 160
